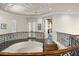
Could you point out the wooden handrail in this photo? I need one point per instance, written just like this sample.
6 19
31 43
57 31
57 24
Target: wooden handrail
68 33
22 32
62 51
21 54
55 52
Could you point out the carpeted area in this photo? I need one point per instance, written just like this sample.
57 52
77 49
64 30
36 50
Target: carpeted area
26 46
6 44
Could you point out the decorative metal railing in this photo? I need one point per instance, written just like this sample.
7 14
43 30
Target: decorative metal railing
11 38
69 40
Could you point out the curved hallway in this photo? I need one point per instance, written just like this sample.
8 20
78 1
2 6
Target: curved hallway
39 28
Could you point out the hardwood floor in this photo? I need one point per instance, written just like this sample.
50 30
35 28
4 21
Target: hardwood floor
50 47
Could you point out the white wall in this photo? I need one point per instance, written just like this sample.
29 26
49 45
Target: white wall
8 19
67 23
34 23
21 24
5 18
18 23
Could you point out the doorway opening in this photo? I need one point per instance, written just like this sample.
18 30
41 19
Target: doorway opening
48 30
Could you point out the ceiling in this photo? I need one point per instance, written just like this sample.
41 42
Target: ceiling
39 8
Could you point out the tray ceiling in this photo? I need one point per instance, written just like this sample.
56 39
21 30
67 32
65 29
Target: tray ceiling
38 8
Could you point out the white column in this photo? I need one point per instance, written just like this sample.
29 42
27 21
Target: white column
13 25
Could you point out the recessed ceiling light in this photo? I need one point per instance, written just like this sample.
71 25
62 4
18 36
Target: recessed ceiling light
69 10
50 9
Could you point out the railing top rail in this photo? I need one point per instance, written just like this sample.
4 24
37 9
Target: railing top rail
22 32
62 51
69 34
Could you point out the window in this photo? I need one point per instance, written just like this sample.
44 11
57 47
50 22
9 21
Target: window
3 26
39 26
